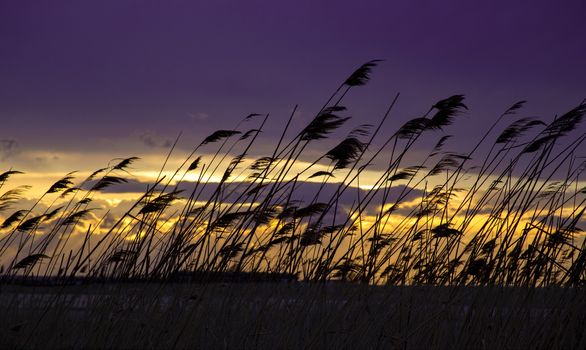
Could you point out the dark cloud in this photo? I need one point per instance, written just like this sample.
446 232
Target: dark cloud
8 149
304 192
152 141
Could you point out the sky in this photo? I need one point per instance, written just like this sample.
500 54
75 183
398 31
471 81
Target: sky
82 82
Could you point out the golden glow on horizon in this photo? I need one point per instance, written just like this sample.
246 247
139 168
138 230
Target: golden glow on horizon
110 206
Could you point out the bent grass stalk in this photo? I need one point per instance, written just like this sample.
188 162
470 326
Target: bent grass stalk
512 218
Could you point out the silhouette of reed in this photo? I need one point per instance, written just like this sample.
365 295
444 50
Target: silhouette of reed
507 217
481 248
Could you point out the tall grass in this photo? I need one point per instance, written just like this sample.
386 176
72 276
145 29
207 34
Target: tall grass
509 216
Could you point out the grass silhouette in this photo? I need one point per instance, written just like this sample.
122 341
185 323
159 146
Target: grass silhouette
525 201
504 220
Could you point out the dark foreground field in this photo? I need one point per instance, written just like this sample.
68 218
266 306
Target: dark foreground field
289 315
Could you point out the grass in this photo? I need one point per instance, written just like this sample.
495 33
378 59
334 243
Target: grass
291 315
446 249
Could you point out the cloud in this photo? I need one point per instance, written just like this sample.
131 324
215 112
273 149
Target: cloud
152 141
8 148
304 192
199 116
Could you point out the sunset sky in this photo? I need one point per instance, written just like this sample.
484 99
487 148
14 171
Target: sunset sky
82 83
122 78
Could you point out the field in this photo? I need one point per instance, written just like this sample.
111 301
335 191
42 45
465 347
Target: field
290 315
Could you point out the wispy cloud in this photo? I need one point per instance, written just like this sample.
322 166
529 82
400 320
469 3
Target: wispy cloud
151 140
8 149
199 116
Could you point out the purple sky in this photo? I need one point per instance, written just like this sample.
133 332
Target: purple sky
73 72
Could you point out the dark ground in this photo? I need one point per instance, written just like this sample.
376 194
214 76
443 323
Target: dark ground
277 315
